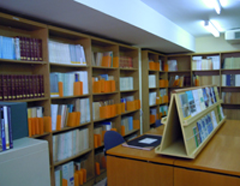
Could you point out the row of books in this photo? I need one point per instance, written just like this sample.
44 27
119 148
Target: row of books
126 83
103 84
126 124
231 80
65 53
231 63
125 62
14 87
70 115
158 113
21 48
68 84
206 80
37 123
104 59
100 162
6 139
231 97
156 65
210 63
70 143
193 102
206 125
177 81
71 174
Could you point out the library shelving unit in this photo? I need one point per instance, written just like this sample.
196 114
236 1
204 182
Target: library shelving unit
70 85
154 87
110 63
11 27
61 68
195 114
217 68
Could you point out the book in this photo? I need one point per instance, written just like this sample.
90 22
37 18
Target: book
185 106
144 142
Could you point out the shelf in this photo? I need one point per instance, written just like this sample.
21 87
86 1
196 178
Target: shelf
129 112
23 62
103 94
70 97
103 68
72 157
68 65
70 128
29 100
126 91
128 69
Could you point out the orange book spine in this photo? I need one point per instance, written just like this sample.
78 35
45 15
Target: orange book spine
84 175
152 118
115 62
102 84
103 133
59 118
106 86
103 162
80 177
97 167
78 118
76 88
122 130
76 179
60 88
34 127
161 83
29 127
165 67
136 124
71 119
157 66
41 125
118 108
81 87
64 182
151 65
102 111
112 86
95 141
47 121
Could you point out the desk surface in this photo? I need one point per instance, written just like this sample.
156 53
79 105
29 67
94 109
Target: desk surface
142 154
221 154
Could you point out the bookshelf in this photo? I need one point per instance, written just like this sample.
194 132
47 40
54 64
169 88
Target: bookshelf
77 92
156 95
210 69
195 115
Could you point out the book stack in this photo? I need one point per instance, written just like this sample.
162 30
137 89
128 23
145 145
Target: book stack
130 103
172 65
155 65
231 80
126 83
163 96
70 115
71 174
21 48
126 124
105 59
6 139
64 53
125 62
153 115
177 81
231 97
70 143
152 81
103 84
15 87
68 84
210 63
37 123
231 63
163 111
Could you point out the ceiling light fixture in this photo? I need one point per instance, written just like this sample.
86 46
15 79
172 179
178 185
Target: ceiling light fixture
217 6
211 28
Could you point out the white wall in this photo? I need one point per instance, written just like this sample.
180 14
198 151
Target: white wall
213 44
138 14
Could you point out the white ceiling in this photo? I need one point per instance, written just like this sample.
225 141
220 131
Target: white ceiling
188 14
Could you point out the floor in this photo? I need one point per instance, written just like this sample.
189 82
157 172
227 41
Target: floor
101 183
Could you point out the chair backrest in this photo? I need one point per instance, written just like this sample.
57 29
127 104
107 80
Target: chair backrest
112 139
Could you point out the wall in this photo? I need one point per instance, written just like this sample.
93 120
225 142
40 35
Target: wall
213 44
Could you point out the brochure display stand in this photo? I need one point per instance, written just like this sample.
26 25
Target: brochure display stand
195 114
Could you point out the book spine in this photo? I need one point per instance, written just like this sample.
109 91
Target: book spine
3 139
40 54
9 87
20 87
31 49
5 115
4 87
1 87
22 48
26 86
10 127
27 48
17 48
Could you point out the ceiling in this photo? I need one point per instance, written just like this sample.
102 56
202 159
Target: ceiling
187 14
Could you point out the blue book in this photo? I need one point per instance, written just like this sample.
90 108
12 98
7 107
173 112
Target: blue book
10 127
8 50
104 76
2 124
130 123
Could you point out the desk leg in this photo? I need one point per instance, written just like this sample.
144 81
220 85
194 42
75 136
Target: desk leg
127 172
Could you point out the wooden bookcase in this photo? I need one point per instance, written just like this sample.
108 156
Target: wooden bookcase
12 26
152 74
186 135
214 76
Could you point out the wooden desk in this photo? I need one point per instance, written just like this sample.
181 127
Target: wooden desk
134 167
217 164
